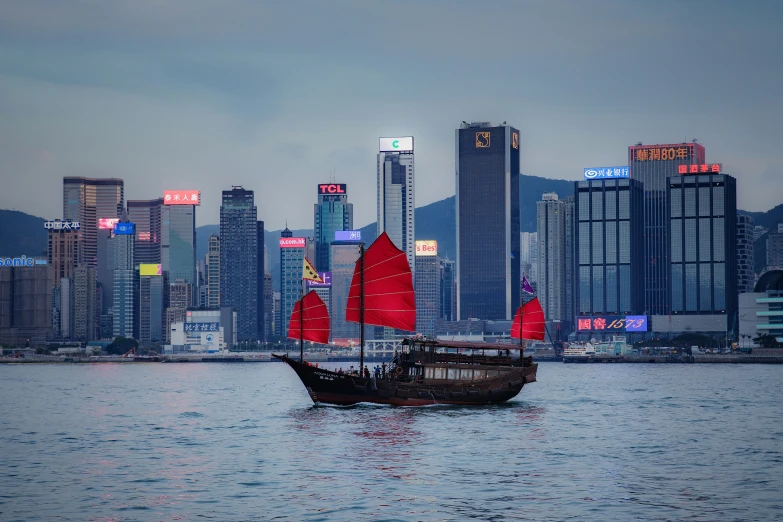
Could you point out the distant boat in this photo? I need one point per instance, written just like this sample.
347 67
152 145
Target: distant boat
426 371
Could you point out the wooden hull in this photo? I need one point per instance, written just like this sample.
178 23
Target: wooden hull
326 386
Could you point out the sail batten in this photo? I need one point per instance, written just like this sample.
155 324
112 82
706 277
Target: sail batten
314 325
389 298
530 320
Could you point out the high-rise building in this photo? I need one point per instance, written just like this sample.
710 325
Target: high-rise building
448 290
746 279
292 251
146 214
552 283
570 257
239 259
178 236
528 254
260 316
63 250
124 279
609 247
213 271
653 165
85 327
703 210
775 249
332 213
344 257
180 297
89 201
269 317
151 310
25 305
427 286
488 222
277 319
396 191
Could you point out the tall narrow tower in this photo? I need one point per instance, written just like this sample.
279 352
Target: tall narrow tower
396 201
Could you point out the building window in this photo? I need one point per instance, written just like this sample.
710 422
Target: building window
624 244
705 243
584 243
611 205
691 287
677 288
598 242
705 288
676 240
690 202
611 242
717 201
625 212
625 288
611 289
704 201
598 205
718 245
720 285
584 206
690 240
598 289
584 290
676 201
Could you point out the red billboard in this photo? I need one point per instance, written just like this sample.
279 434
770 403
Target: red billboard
332 188
704 168
107 223
181 197
292 242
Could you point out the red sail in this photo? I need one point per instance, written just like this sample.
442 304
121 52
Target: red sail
389 299
531 316
316 320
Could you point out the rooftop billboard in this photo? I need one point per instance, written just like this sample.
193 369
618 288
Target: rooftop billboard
347 235
292 242
107 223
332 188
124 229
62 225
427 247
607 173
181 197
402 144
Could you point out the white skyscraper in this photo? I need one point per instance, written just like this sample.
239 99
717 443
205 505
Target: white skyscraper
396 202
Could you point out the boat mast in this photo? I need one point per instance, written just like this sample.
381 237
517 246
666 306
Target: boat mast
361 309
301 323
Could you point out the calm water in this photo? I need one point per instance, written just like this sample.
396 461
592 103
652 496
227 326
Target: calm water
244 442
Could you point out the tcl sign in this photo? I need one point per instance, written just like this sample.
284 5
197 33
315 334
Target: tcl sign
332 188
427 247
292 242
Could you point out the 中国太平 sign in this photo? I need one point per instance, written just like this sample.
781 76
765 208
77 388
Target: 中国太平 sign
62 225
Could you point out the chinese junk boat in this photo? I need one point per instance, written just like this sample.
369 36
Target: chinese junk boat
426 371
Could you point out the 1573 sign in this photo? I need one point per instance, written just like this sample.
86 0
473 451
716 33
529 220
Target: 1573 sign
612 323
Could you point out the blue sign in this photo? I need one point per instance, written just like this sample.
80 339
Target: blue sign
607 173
326 276
348 235
18 261
124 229
635 323
202 327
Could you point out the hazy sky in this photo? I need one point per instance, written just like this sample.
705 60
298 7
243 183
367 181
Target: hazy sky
279 96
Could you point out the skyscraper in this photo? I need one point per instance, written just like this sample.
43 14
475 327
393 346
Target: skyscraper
178 235
213 271
239 259
653 165
63 250
487 199
146 214
552 283
570 257
83 311
746 278
427 285
703 244
87 201
448 290
332 213
151 313
124 279
775 249
260 316
528 256
344 257
609 246
396 191
269 316
292 251
25 304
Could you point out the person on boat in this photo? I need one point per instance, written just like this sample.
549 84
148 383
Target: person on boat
383 370
366 372
340 370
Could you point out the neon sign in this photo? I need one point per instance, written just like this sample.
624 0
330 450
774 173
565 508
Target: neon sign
181 197
482 140
607 173
713 168
107 223
124 229
325 276
17 261
292 242
659 153
332 188
612 323
347 235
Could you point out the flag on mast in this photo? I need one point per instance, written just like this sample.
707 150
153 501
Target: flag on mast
309 273
526 287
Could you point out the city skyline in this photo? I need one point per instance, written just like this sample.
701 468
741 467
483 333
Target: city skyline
161 105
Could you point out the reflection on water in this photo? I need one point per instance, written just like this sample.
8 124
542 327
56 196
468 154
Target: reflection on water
244 442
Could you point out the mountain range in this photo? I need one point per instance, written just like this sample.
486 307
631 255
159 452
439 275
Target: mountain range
23 234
